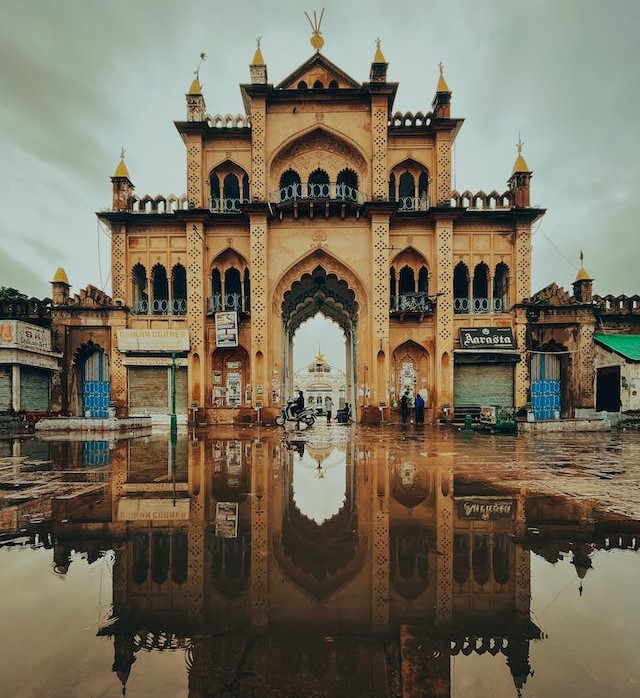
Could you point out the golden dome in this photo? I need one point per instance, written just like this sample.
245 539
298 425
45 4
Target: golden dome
442 83
121 169
196 88
583 275
257 56
379 57
60 277
520 165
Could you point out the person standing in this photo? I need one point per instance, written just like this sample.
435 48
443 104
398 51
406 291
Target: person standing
404 406
328 405
419 407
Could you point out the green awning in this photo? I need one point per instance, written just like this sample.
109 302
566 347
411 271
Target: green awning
627 345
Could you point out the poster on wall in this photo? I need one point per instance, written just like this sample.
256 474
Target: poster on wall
407 375
234 389
227 329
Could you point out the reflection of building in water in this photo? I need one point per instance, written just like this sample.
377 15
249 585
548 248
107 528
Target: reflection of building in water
280 598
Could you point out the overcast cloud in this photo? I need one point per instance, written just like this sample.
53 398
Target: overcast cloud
81 78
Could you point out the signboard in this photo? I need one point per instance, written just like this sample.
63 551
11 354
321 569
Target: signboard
153 340
152 361
234 389
134 509
227 329
227 519
16 334
485 508
486 338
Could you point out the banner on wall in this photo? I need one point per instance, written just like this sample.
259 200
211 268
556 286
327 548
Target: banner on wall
227 329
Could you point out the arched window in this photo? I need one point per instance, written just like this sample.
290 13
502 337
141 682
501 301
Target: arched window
423 280
480 559
317 85
407 185
245 187
333 85
423 190
407 281
214 183
392 187
179 289
246 299
179 557
501 556
480 290
501 288
461 558
160 284
347 185
392 287
231 188
216 282
159 557
319 184
302 85
290 185
140 298
461 288
232 289
140 557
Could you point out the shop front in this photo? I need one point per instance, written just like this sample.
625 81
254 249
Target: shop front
484 368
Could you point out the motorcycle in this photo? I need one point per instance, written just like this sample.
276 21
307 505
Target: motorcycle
305 416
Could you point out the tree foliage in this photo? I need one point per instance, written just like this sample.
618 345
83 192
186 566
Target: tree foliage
11 294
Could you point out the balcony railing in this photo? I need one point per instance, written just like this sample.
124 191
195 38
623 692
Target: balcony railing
479 306
226 205
412 304
175 306
220 302
413 203
331 191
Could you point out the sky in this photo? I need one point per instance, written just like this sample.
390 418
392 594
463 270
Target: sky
82 78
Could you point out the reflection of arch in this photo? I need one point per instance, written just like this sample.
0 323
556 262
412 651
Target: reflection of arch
409 561
229 562
410 486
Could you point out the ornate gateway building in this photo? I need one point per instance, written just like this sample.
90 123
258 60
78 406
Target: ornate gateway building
320 198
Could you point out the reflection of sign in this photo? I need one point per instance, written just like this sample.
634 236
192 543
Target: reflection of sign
407 473
153 340
488 414
131 509
227 329
486 338
217 377
21 335
485 508
227 519
234 389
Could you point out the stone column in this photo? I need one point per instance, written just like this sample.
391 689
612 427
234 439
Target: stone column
522 287
196 307
444 543
444 338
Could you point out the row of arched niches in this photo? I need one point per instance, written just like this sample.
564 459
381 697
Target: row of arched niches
321 556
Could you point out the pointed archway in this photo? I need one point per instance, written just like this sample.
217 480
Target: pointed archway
319 283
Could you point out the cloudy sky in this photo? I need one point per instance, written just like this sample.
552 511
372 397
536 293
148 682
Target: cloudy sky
81 78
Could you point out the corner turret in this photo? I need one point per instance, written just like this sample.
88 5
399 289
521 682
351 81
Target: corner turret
442 101
196 107
122 186
378 72
520 180
60 287
258 68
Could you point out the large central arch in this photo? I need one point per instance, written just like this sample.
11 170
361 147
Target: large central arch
321 283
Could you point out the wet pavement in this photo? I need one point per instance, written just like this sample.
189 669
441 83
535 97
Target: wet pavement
336 561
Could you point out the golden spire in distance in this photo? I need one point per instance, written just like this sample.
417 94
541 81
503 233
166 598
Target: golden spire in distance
442 83
379 57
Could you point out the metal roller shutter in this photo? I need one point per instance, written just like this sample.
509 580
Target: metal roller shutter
34 389
478 384
148 390
5 388
182 391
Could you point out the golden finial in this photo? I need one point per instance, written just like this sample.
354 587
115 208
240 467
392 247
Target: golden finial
257 56
196 87
581 259
316 38
121 169
520 164
379 57
442 83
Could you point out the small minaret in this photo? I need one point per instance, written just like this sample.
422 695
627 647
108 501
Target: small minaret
122 186
442 101
583 285
258 68
520 180
196 107
60 287
378 72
